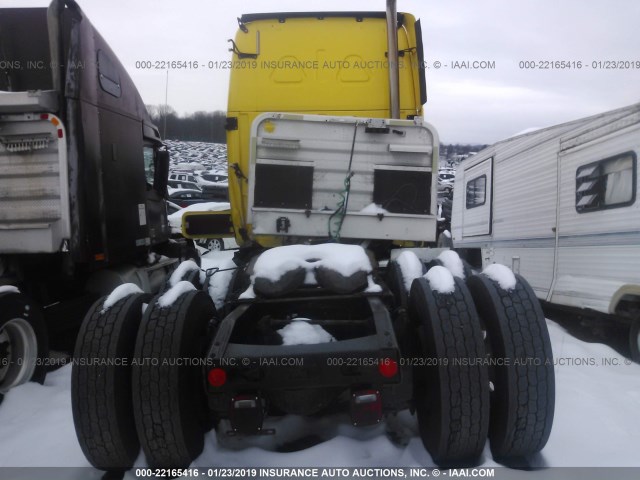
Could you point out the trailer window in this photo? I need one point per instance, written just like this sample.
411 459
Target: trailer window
608 183
149 165
476 192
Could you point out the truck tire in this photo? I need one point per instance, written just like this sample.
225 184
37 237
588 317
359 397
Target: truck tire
101 394
169 403
395 282
23 340
522 403
467 271
191 276
451 398
634 341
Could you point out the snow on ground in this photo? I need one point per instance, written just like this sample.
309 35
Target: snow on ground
197 155
596 422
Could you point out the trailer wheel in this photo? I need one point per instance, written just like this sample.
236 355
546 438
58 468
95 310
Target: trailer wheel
23 340
169 403
467 271
101 393
451 390
634 341
395 281
522 403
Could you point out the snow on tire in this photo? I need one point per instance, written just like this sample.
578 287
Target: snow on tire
522 403
451 394
101 393
23 340
169 402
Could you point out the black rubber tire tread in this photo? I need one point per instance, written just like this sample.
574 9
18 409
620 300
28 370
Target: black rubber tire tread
436 262
452 399
19 305
468 271
395 282
522 405
169 402
634 332
101 394
287 283
337 283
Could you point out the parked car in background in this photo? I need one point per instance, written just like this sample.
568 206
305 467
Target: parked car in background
183 177
212 178
446 179
186 197
216 192
217 244
183 184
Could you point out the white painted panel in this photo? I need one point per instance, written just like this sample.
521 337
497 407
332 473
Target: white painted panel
535 264
34 203
325 143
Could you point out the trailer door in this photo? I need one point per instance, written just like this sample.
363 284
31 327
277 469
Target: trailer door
476 207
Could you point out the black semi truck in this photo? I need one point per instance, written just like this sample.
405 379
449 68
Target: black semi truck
83 180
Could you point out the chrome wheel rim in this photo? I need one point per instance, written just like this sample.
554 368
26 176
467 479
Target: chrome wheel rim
18 353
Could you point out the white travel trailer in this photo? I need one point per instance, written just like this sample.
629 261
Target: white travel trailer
559 205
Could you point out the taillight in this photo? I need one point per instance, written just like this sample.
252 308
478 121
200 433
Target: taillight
388 367
217 377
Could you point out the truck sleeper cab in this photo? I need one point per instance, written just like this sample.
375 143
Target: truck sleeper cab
82 175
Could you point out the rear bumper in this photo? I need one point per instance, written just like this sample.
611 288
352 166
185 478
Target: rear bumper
341 365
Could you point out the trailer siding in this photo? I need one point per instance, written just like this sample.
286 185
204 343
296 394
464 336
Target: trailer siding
572 258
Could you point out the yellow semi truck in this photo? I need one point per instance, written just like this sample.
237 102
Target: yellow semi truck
329 165
326 63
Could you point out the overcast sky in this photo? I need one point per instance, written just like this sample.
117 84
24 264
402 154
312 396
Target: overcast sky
466 106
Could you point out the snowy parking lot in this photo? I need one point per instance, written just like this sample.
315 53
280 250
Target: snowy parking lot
597 423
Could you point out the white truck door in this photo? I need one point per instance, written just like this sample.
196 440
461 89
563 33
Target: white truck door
477 199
